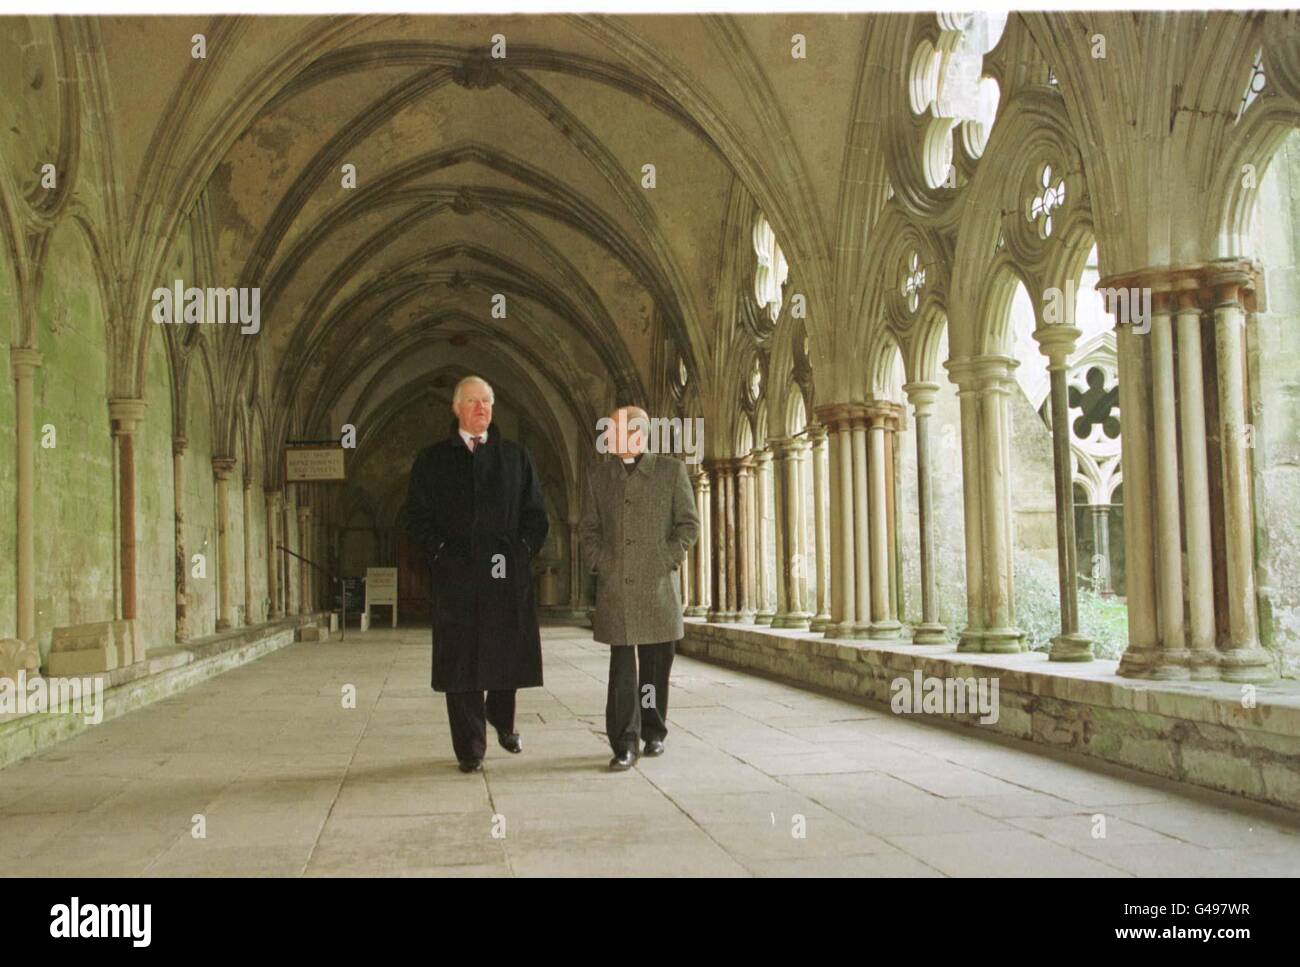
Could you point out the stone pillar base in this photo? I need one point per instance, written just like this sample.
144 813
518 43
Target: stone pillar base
1156 664
696 611
929 634
1246 665
820 623
1003 641
792 620
1074 647
886 629
764 617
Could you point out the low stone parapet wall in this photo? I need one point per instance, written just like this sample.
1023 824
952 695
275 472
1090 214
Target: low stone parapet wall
164 672
1238 739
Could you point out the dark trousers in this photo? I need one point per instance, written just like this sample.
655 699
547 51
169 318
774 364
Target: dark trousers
636 704
469 715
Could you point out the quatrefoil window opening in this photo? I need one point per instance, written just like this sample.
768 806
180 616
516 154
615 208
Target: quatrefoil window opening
1045 201
948 82
913 282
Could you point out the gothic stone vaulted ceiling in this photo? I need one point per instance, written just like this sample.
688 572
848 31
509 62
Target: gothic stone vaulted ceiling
523 176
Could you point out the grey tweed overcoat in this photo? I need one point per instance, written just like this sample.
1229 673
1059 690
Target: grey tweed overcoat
636 531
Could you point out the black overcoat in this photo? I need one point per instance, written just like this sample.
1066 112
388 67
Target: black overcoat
481 520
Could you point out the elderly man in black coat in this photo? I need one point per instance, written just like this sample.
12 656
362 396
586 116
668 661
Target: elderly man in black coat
474 503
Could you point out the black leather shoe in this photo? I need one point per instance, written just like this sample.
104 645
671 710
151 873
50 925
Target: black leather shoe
475 765
654 747
510 741
623 761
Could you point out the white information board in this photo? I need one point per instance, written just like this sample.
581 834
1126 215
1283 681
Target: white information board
381 588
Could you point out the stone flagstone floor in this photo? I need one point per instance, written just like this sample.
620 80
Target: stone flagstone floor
288 782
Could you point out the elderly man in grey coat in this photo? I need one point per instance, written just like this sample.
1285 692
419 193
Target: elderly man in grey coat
638 524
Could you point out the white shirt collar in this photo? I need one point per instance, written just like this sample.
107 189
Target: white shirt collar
465 435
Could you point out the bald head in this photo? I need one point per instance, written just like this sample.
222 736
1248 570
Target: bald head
627 431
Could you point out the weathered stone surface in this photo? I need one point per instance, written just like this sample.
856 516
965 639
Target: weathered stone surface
1186 731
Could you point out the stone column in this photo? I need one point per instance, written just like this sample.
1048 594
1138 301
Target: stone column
790 613
248 553
273 498
23 362
221 470
1057 343
718 550
997 382
700 599
893 423
1241 659
575 568
304 569
729 502
1101 549
843 596
1203 657
883 624
961 372
179 444
862 558
1142 658
817 437
1168 526
762 500
930 631
800 486
745 537
126 414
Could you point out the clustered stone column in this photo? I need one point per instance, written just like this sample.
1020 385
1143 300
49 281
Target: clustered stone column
703 596
248 552
720 550
838 421
930 631
791 611
817 439
222 467
1186 461
1057 343
304 569
24 361
744 509
273 518
126 415
765 602
179 445
984 387
884 624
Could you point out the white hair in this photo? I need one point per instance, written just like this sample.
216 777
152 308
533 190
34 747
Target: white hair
456 393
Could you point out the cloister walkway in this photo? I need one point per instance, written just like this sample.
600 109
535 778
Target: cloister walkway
284 781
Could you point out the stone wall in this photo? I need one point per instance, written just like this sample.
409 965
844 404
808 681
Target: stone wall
1274 356
75 504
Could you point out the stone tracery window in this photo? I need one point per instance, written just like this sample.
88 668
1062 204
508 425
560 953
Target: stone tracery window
1255 86
682 375
913 282
1044 202
949 82
756 381
772 269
